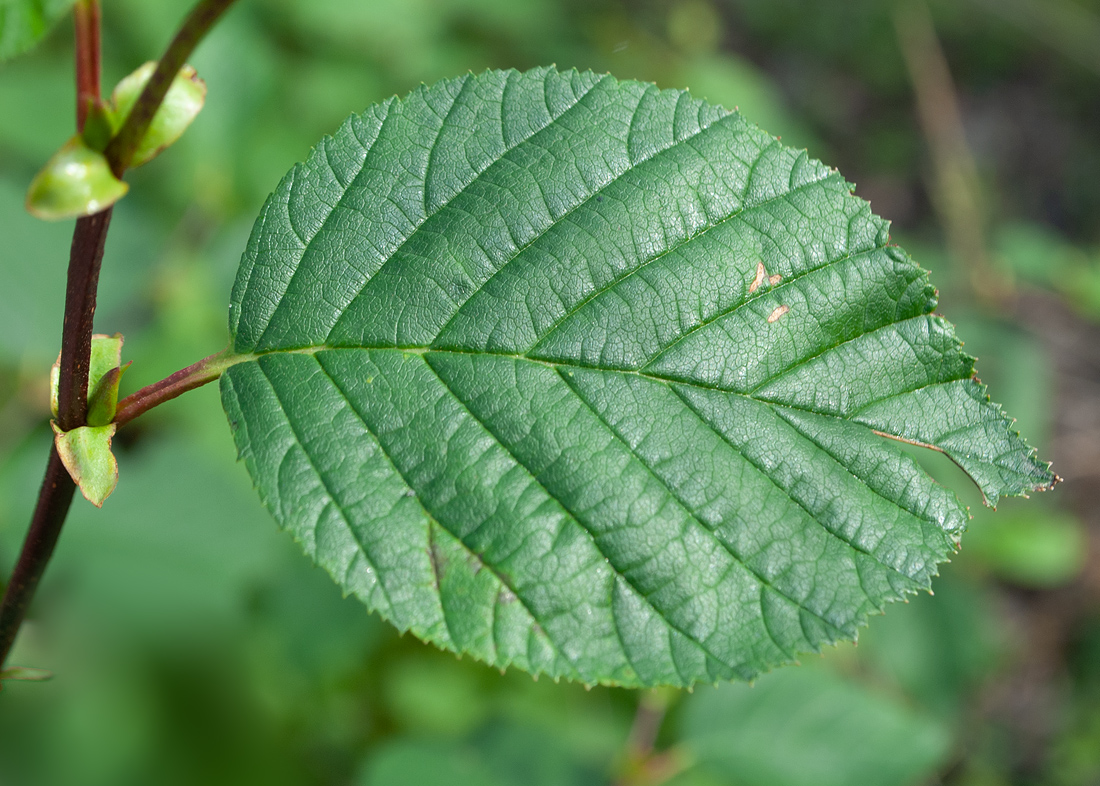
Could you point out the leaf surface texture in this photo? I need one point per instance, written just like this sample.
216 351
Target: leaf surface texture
584 377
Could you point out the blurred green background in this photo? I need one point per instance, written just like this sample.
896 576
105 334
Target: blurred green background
191 641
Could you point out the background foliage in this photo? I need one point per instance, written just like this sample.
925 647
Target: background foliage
193 643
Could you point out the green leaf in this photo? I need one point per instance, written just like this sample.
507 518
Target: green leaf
181 105
808 726
596 380
103 400
1036 548
86 454
24 22
76 181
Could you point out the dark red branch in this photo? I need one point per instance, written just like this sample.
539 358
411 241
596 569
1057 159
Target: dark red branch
120 150
85 259
57 489
86 18
54 499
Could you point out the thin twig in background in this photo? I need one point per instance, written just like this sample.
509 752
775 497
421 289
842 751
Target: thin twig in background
642 765
120 150
957 191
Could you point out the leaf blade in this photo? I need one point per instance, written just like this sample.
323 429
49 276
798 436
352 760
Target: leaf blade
585 377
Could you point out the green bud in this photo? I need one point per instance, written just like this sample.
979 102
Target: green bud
76 181
104 373
97 126
183 102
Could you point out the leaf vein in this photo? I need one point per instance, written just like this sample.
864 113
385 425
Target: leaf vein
328 214
580 524
778 409
432 518
677 246
592 195
465 187
467 80
754 297
328 490
786 493
737 558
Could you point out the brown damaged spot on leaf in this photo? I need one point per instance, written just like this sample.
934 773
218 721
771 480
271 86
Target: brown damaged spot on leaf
760 275
780 311
436 559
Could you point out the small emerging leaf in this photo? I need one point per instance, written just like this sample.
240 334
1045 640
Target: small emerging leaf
104 374
86 454
98 129
103 401
181 105
76 181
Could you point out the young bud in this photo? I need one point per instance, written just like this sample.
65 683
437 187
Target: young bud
76 181
181 105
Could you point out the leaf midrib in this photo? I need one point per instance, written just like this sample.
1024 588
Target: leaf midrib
670 382
740 561
233 360
748 300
